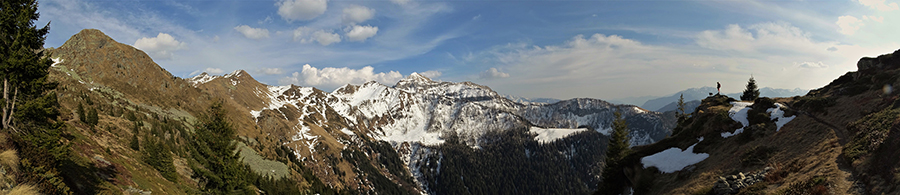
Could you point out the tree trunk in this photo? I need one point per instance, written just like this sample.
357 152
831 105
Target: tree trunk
5 101
13 108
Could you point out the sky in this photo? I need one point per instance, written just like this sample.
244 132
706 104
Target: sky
607 49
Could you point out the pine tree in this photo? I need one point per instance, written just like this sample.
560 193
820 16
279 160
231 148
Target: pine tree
27 99
751 92
135 143
680 112
23 63
616 149
92 118
222 172
81 115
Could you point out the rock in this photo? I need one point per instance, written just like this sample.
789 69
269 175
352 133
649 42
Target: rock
733 183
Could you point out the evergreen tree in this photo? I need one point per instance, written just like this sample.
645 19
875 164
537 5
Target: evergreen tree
135 144
81 115
751 92
27 101
92 118
23 63
614 180
221 171
680 112
157 155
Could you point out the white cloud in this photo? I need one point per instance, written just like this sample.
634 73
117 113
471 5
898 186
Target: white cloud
880 5
308 35
431 74
849 24
878 19
271 71
812 65
329 77
292 10
361 33
326 38
252 33
492 73
354 14
160 47
588 66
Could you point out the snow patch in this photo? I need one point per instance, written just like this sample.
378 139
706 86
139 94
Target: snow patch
347 131
552 134
738 112
56 60
638 110
674 159
201 79
777 114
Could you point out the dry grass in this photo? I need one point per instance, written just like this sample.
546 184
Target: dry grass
24 190
10 159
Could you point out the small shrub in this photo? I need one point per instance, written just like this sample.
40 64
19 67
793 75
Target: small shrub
10 160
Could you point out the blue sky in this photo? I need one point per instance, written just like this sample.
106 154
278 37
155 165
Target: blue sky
557 49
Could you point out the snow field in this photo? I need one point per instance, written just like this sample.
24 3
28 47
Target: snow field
674 159
552 134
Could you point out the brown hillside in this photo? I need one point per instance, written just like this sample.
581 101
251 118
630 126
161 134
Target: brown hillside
844 140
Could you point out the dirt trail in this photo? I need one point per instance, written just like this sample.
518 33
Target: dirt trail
848 175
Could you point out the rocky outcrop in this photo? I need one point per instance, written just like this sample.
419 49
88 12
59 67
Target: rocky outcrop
733 183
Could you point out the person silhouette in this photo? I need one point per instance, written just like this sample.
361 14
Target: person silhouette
718 88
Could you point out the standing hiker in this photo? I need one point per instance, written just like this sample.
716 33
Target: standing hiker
718 88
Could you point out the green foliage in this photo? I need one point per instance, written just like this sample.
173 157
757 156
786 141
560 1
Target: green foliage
751 92
614 180
870 133
80 112
213 147
135 143
92 118
41 152
619 143
158 155
20 64
680 112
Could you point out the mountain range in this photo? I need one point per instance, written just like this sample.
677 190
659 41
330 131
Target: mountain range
368 138
133 127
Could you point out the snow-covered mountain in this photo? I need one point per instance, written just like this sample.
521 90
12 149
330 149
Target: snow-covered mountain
418 112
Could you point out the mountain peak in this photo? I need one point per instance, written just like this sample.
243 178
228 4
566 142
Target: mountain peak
89 38
236 73
415 76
